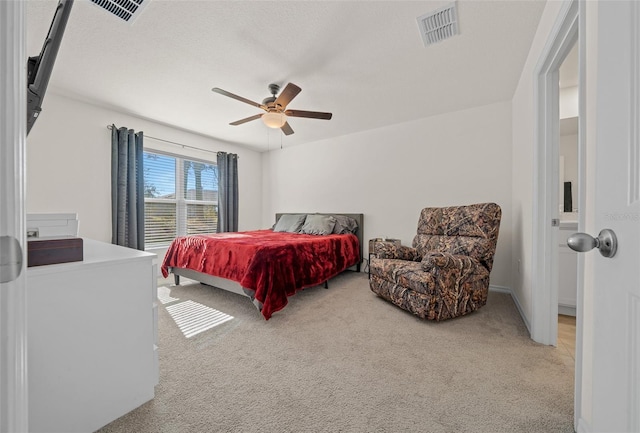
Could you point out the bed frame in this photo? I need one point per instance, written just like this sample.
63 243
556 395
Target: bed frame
235 287
356 216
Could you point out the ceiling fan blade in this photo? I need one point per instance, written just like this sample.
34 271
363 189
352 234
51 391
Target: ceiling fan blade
309 114
239 98
286 128
289 92
248 119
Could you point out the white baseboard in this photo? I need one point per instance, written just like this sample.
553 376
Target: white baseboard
567 310
583 426
500 289
508 290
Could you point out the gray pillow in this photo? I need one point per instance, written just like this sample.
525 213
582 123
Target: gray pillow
318 225
289 223
345 224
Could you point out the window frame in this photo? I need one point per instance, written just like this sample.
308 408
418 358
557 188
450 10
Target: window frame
180 201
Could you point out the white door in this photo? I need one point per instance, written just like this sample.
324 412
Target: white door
13 373
610 379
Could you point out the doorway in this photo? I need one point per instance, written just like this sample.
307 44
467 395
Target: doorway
568 187
544 323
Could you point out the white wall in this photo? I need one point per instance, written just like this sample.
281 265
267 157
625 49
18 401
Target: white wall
69 163
523 114
391 173
568 102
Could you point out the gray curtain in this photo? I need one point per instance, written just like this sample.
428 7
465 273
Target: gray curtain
227 192
127 188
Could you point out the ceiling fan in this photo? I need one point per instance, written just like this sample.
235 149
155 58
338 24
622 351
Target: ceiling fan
275 108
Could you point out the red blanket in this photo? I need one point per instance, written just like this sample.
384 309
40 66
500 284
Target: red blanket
274 265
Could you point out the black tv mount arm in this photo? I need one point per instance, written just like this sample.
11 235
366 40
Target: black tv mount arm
39 67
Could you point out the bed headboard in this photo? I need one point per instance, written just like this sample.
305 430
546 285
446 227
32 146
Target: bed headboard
356 216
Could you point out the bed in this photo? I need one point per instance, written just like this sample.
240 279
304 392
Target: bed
267 265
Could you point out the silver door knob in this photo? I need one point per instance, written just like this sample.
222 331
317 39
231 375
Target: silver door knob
606 242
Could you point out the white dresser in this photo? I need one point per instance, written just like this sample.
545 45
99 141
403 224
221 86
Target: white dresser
92 338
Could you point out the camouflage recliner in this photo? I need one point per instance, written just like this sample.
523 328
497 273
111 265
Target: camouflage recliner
446 273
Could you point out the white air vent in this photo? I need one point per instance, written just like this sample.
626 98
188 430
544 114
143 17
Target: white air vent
439 24
126 10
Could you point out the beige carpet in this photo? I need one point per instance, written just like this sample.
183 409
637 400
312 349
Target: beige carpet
344 360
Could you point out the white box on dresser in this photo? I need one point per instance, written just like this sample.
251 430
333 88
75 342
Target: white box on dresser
92 338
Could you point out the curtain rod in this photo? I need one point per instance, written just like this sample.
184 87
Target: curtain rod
173 142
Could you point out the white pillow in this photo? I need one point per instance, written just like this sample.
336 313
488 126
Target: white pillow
318 225
289 223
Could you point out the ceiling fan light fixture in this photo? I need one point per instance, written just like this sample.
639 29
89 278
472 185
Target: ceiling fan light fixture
274 119
275 108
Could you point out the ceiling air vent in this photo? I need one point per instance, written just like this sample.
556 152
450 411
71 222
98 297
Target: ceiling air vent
439 24
126 10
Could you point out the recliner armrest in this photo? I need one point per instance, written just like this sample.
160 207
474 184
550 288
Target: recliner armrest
440 260
389 250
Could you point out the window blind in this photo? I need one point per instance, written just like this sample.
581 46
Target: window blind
181 197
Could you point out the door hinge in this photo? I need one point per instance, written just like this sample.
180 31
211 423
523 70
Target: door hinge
555 222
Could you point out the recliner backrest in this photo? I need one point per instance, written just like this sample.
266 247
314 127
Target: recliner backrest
470 230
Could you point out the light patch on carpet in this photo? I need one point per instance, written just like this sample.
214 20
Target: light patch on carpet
193 318
164 295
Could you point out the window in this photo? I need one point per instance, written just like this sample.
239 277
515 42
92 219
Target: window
193 210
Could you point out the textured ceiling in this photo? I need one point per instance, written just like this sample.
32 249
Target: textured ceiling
364 61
